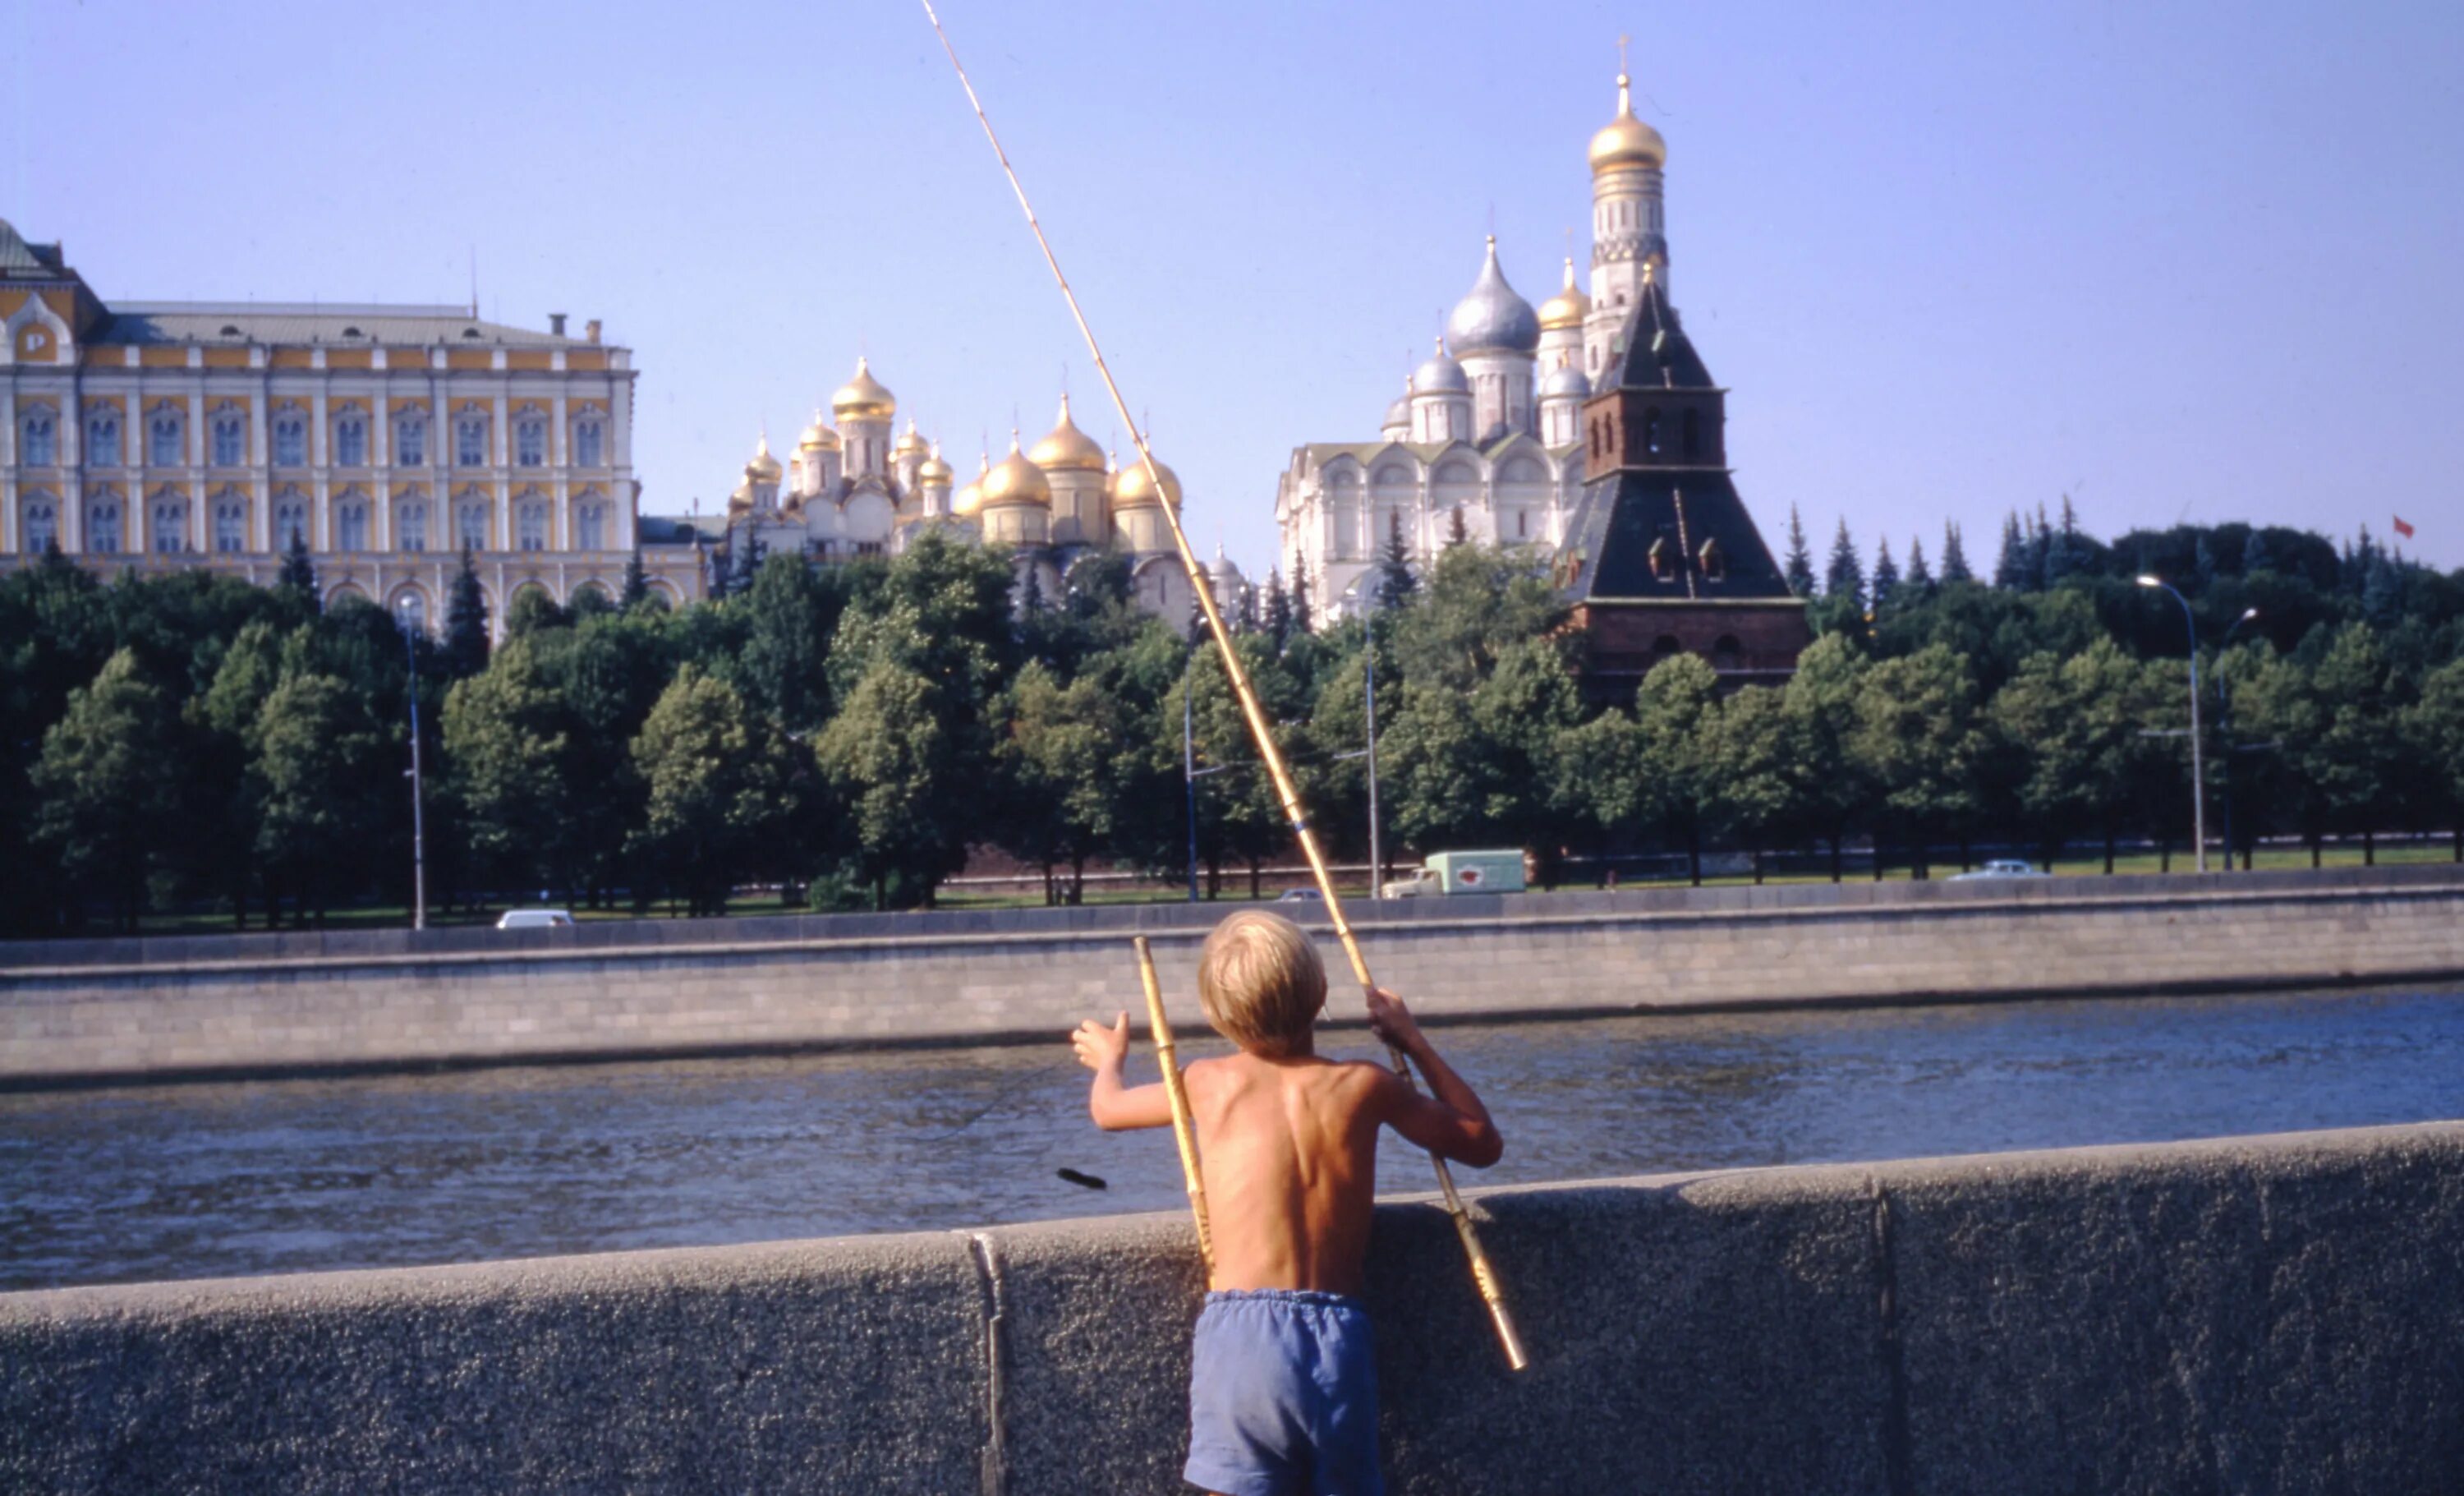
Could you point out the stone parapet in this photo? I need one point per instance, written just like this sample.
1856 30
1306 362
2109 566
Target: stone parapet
2272 1313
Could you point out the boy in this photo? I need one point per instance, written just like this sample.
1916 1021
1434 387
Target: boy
1283 1387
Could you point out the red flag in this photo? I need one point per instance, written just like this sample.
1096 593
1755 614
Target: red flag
2401 528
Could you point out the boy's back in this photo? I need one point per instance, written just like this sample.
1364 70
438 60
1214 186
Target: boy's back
1289 1159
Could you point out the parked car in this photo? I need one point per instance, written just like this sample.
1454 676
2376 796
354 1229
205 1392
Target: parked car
2000 867
1300 896
534 918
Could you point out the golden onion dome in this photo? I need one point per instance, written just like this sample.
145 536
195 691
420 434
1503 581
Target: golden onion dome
1014 480
1567 307
932 471
1131 489
910 442
863 397
818 436
967 500
1065 449
1626 140
764 466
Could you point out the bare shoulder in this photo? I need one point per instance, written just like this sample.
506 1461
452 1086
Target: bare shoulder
1365 1083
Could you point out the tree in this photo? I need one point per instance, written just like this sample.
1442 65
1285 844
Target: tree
1479 602
1070 766
1278 623
636 593
1801 559
1820 702
533 611
2079 730
893 760
1845 580
1750 796
2433 728
1920 575
106 786
718 788
792 612
2012 570
1457 531
224 720
1886 576
299 574
510 741
1954 556
319 764
1916 743
1303 622
466 621
1395 582
1674 711
2354 759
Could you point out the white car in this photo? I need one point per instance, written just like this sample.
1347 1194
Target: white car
2000 867
533 919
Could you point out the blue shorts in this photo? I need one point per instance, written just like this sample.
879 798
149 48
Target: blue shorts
1283 1395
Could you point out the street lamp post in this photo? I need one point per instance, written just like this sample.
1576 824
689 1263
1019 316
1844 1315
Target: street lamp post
2224 728
1369 678
2198 783
410 631
1189 783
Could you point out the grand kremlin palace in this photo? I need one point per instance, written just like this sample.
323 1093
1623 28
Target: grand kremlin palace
153 436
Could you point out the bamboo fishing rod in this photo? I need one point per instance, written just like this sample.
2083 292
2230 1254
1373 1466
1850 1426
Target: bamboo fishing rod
1184 1130
1286 793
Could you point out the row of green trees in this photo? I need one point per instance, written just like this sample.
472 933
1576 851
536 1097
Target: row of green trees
851 732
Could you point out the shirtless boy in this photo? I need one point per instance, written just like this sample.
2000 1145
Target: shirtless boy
1283 1393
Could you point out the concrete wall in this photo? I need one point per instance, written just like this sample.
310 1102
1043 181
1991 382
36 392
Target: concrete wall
102 1010
2278 1314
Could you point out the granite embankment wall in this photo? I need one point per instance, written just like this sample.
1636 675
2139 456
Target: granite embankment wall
2260 1314
101 1010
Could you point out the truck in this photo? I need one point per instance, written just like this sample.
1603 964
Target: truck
1463 872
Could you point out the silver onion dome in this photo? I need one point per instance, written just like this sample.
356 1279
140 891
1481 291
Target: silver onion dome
1566 380
1440 375
1399 413
1492 317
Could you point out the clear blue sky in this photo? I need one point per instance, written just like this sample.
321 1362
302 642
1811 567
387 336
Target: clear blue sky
2178 260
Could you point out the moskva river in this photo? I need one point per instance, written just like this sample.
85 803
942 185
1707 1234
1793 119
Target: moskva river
181 1181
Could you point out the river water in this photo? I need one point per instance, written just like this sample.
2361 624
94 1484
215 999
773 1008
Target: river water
203 1180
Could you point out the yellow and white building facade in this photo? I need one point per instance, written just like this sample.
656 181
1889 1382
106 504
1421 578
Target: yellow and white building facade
158 436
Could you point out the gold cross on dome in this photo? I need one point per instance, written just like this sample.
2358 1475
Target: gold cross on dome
1622 39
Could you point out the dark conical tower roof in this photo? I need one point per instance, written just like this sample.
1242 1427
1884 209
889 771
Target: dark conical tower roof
1653 352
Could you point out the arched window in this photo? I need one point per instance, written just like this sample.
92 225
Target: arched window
230 525
410 525
103 446
163 445
1651 431
42 527
41 439
470 525
1726 653
290 521
1664 561
290 439
351 525
530 527
585 441
1715 561
410 440
350 440
530 440
470 441
102 527
1693 435
1665 646
231 440
171 526
590 523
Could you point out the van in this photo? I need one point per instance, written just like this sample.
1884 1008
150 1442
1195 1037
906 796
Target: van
1463 872
533 919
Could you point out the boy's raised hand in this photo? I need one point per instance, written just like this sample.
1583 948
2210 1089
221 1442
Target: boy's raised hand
1101 1048
1391 1021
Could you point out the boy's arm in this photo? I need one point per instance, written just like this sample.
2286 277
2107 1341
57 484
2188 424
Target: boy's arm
1113 1105
1452 1123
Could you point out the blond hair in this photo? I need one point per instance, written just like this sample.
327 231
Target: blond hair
1261 982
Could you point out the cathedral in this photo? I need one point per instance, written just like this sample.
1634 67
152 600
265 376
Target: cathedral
851 491
1588 427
